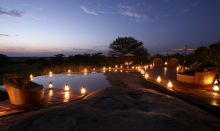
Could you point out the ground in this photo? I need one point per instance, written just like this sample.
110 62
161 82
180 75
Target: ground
127 105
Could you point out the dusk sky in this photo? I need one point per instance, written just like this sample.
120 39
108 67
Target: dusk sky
48 27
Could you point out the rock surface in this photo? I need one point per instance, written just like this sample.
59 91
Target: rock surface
127 106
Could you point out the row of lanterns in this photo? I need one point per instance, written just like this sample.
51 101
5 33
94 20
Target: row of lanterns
159 79
67 88
170 84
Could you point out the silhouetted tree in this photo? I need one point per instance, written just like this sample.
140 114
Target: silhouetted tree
209 55
3 59
59 58
128 45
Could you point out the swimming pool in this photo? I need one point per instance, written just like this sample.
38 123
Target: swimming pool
76 81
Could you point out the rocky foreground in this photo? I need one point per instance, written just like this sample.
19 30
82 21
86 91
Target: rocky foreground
127 105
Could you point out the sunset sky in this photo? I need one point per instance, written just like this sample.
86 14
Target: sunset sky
48 27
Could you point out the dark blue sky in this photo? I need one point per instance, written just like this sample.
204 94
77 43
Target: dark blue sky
47 27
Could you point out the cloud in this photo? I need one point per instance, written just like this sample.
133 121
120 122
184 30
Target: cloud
16 13
38 18
89 11
131 12
4 35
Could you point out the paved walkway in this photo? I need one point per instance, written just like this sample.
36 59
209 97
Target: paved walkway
201 95
52 97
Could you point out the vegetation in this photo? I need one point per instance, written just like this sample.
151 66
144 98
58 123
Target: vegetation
209 54
128 45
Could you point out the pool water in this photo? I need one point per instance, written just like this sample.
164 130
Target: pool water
75 81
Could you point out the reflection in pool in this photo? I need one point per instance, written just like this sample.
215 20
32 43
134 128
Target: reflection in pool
78 83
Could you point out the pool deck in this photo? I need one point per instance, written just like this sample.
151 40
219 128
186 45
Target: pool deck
52 97
202 96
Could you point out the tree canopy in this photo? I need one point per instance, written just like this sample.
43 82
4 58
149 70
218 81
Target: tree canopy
209 54
128 45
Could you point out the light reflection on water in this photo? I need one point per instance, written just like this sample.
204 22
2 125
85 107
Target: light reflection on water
66 96
92 81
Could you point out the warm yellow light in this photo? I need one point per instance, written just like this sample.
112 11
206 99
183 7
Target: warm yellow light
165 63
31 77
83 90
121 70
66 96
215 88
85 71
50 73
50 92
177 69
165 68
158 79
121 66
116 66
142 72
169 85
132 67
50 85
216 82
151 66
66 88
69 71
146 76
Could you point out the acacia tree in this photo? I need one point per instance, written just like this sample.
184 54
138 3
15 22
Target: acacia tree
128 45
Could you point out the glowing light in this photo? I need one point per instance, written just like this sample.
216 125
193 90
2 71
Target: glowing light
50 73
121 66
31 77
83 91
66 88
93 69
69 71
165 63
151 66
177 69
132 67
169 85
109 68
85 71
165 68
216 82
215 88
145 67
214 102
103 69
50 85
142 72
121 70
50 93
66 96
146 76
116 66
159 79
